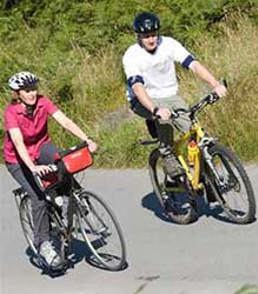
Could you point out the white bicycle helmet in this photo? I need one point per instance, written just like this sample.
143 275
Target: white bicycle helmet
22 80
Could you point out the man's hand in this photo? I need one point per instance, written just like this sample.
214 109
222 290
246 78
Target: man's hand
164 113
205 75
220 90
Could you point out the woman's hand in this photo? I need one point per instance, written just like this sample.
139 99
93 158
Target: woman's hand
41 170
92 145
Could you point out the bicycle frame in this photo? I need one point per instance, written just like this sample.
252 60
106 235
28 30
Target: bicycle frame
73 201
194 172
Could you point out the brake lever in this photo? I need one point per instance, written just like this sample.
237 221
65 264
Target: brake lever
174 114
212 98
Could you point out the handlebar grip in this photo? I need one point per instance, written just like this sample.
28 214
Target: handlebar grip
213 97
224 82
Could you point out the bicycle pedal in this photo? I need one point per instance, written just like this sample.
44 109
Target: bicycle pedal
101 231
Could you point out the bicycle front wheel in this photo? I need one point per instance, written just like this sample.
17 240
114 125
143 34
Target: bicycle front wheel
227 179
101 231
176 200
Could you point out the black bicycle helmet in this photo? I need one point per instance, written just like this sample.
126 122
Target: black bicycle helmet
146 22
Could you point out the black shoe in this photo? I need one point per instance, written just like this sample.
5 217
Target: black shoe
172 166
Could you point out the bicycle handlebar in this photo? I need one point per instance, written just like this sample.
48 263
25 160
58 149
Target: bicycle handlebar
55 170
209 99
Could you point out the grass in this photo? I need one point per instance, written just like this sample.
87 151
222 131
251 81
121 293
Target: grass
248 289
234 56
91 90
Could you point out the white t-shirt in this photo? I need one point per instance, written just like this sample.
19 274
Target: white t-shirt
158 69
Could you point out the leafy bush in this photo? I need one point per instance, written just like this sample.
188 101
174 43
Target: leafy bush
234 56
75 47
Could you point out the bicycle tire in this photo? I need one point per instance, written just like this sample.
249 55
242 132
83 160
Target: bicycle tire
27 222
232 173
27 227
178 207
97 232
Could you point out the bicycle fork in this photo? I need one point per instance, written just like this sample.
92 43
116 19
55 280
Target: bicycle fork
94 222
220 181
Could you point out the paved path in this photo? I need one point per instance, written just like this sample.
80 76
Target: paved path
209 256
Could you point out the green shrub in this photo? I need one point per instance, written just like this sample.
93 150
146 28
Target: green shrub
75 47
234 56
120 147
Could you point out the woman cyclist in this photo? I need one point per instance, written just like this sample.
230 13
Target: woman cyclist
28 149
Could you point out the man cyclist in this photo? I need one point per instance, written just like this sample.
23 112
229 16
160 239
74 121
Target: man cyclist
28 149
152 87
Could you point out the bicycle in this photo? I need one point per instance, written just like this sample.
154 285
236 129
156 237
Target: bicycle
88 218
211 170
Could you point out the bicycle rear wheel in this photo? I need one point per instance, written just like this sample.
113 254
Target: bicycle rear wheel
176 201
56 234
27 222
229 183
101 231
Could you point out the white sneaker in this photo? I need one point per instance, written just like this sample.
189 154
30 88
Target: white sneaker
48 252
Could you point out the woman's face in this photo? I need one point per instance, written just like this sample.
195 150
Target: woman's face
28 95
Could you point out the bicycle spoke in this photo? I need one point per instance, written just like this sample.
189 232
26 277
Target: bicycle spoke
231 185
173 196
27 222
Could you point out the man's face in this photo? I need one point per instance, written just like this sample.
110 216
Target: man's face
149 41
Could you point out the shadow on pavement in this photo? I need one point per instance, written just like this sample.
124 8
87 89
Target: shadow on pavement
151 202
78 252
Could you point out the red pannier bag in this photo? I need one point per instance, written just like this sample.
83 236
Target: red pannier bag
76 158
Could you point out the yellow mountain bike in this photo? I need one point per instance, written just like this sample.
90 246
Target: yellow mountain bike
211 170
